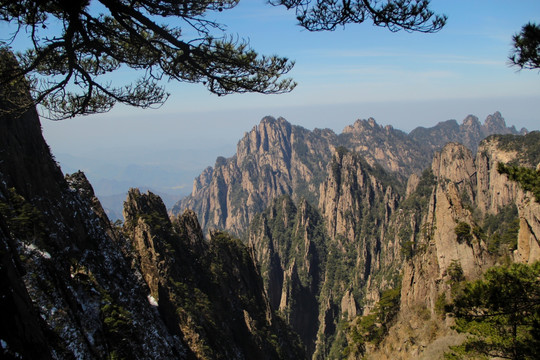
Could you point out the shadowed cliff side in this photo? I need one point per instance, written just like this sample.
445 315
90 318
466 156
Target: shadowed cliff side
208 293
68 291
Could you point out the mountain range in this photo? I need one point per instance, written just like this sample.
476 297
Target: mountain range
277 158
304 244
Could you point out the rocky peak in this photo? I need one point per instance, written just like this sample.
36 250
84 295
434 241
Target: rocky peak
362 125
495 124
190 224
471 121
469 133
390 148
137 203
209 294
79 181
203 180
270 136
273 159
456 163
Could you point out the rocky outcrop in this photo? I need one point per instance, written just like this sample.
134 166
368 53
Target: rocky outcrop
288 243
209 294
495 191
465 216
390 148
273 159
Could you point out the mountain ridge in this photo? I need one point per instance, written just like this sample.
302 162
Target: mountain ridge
277 158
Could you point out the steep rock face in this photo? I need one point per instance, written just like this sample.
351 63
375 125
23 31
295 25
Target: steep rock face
209 294
59 258
454 167
392 149
320 268
288 244
273 159
351 190
496 192
469 200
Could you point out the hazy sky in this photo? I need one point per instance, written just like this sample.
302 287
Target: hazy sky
403 79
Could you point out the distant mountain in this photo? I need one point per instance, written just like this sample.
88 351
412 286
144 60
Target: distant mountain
276 158
469 133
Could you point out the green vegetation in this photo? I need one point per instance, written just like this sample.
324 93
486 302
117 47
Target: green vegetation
117 329
528 179
526 47
407 249
501 230
415 207
527 147
156 220
284 221
501 314
24 220
373 327
440 304
419 199
463 232
70 65
455 271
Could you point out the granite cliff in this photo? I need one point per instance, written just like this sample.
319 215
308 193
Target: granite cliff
276 158
335 220
320 266
476 218
273 159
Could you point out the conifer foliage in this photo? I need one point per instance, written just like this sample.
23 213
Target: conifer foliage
76 45
501 314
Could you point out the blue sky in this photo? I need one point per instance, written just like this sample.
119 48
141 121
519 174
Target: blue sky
403 79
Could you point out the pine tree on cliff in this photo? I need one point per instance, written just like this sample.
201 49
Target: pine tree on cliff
501 314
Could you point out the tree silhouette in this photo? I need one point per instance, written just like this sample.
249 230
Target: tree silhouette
76 45
409 15
526 47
